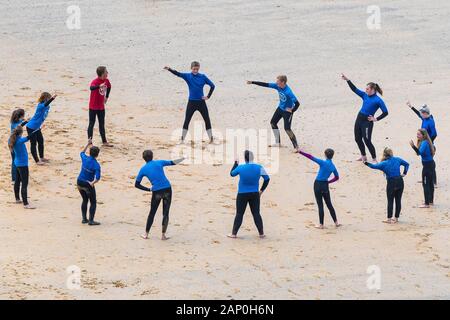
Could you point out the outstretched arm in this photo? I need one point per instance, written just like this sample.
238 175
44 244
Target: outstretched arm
50 100
174 72
414 109
310 157
177 161
89 143
258 83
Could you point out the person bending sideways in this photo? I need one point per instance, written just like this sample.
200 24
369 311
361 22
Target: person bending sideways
161 189
248 194
89 175
100 90
36 123
390 165
321 184
197 100
286 108
366 116
426 150
17 119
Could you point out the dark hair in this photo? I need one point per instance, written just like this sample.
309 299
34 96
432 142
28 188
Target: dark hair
18 131
94 151
147 155
16 115
101 70
248 155
329 153
375 86
195 64
45 96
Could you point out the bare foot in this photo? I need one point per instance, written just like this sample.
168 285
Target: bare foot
232 236
29 206
338 225
107 145
374 160
144 236
45 160
319 226
40 163
424 206
387 221
163 237
18 202
262 236
362 158
394 221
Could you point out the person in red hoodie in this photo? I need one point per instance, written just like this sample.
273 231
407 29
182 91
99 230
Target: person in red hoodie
100 89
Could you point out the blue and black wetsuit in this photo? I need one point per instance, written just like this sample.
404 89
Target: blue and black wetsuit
196 82
90 171
363 127
286 108
248 193
428 170
395 184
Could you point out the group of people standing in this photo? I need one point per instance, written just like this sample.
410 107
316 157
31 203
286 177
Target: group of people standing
250 173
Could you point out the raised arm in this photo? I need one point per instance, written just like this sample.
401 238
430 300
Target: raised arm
233 171
414 109
89 143
47 103
360 93
174 72
310 157
411 143
177 161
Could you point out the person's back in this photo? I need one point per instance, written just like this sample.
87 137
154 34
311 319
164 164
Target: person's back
39 116
90 168
249 176
154 171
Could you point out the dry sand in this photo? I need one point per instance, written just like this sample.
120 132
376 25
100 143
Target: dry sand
310 41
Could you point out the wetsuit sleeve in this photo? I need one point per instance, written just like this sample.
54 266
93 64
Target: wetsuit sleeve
25 139
49 101
296 105
177 161
211 85
360 93
310 157
175 72
108 90
98 172
24 123
405 166
335 178
138 181
384 110
166 163
261 84
234 171
416 150
416 112
92 88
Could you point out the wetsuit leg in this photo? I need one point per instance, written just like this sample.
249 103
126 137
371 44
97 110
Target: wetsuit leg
241 205
13 168
156 199
190 110
33 144
93 200
167 200
277 115
92 118
398 197
287 117
17 185
24 177
40 142
427 182
255 209
390 193
101 124
367 128
358 131
85 200
327 197
203 108
318 194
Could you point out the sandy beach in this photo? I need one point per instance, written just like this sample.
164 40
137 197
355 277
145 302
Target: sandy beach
312 42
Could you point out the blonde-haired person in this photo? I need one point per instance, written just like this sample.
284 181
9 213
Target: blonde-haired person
390 165
35 123
426 150
286 108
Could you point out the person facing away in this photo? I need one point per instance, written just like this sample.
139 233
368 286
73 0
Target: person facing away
161 189
286 107
249 193
365 120
197 100
390 166
100 89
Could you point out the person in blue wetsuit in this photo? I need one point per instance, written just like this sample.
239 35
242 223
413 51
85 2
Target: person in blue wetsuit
161 189
248 192
390 165
90 174
17 146
321 184
197 100
426 150
17 118
286 108
366 117
428 124
36 123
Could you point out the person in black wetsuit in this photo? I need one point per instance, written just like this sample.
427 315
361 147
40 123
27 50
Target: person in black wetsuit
249 175
197 100
286 108
366 117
